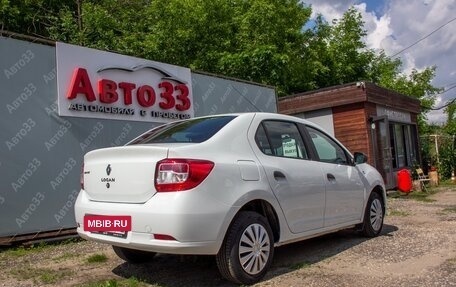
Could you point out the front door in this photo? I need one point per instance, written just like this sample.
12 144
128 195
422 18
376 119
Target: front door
344 187
296 181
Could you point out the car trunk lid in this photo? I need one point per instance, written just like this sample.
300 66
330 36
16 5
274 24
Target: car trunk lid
122 174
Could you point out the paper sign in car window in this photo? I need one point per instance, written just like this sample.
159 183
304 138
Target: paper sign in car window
289 147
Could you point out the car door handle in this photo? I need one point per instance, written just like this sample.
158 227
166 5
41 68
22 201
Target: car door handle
278 175
330 177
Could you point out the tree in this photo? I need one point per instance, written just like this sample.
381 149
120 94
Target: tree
450 126
254 40
385 72
269 36
31 17
347 50
265 41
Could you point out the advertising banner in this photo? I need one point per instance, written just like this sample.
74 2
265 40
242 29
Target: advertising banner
112 86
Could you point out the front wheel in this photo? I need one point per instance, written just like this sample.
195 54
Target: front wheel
247 251
132 255
373 216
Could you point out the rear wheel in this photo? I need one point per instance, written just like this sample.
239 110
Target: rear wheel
247 251
132 255
373 216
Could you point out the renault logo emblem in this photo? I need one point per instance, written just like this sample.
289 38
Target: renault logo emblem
108 169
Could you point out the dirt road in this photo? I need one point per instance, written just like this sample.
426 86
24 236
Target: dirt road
417 248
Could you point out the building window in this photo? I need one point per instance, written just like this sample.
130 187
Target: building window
403 144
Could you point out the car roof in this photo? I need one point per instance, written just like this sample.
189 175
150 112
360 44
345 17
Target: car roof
266 115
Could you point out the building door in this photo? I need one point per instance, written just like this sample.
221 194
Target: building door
383 152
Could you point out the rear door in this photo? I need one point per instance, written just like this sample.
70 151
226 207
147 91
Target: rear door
297 182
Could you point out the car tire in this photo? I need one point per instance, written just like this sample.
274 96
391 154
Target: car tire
247 251
132 255
373 216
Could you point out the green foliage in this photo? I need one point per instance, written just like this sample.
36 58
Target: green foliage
385 72
300 265
41 275
447 155
449 209
450 127
266 41
97 258
400 213
130 282
23 251
346 49
421 196
32 17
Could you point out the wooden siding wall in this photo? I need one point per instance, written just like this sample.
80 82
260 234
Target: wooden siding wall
350 124
389 98
325 98
345 95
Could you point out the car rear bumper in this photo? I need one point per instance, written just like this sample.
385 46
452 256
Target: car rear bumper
196 230
146 242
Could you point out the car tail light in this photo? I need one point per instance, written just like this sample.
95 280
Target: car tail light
81 180
180 174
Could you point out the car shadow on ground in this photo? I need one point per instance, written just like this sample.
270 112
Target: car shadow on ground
177 270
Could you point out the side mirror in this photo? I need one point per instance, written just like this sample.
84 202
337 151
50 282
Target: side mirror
360 158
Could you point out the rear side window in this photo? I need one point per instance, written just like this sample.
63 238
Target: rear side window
193 130
262 141
280 138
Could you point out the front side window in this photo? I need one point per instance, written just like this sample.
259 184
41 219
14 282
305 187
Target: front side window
193 130
327 149
281 139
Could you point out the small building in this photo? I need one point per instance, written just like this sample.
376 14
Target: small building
366 118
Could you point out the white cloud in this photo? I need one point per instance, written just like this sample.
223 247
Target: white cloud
435 116
402 23
330 9
378 27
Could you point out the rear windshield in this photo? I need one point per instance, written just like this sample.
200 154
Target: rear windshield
193 130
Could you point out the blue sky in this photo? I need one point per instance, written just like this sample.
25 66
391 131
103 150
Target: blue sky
393 25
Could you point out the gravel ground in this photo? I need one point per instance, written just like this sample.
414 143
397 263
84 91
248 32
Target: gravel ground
416 248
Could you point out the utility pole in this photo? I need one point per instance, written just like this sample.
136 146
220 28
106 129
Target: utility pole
453 178
436 143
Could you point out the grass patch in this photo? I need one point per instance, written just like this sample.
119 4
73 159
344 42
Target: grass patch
396 212
22 251
16 252
447 183
451 261
450 209
415 195
35 248
97 258
130 282
41 275
421 196
300 265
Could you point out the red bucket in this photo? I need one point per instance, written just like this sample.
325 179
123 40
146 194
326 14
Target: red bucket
404 181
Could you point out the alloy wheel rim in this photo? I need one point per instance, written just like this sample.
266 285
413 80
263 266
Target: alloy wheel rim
254 249
376 214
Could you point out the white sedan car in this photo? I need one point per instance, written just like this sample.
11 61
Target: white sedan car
234 186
